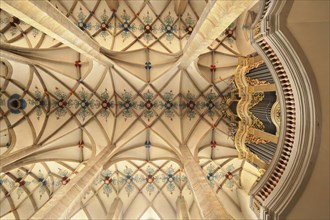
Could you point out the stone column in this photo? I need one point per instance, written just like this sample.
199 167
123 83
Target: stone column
216 17
11 158
182 211
207 201
66 198
44 16
116 210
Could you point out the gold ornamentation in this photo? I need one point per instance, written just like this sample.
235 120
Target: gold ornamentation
257 29
250 138
256 123
276 116
278 113
256 98
256 82
250 157
262 171
246 102
253 65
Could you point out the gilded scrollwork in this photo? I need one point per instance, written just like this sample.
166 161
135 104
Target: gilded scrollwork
250 138
257 29
256 122
256 82
256 98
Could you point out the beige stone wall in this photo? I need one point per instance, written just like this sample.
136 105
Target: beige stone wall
308 22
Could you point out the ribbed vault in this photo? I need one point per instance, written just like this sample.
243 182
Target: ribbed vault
131 25
60 108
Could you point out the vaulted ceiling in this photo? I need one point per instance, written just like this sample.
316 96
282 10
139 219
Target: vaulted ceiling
62 108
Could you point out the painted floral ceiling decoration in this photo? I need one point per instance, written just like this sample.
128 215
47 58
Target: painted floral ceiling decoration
36 183
134 25
17 32
134 179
